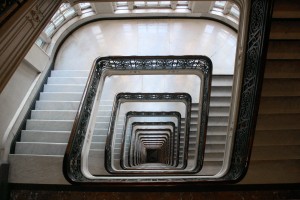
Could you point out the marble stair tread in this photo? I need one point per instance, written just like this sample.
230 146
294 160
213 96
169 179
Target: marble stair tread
49 125
67 80
70 73
218 111
221 91
53 114
217 130
60 96
45 136
47 148
217 121
105 119
220 101
30 169
63 88
57 105
219 80
216 138
38 148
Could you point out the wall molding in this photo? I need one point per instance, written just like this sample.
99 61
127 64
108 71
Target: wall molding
20 31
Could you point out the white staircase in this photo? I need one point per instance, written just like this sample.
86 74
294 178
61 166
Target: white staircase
43 143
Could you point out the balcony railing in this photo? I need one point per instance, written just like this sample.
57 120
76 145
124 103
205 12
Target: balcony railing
137 133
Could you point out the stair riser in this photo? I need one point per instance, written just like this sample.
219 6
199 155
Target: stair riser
49 125
64 88
70 73
64 80
44 105
60 96
53 115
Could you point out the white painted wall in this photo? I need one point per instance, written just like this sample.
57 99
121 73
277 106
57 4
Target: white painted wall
16 92
37 58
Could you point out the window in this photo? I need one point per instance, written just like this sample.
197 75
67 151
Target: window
39 42
151 5
235 11
84 5
226 9
220 4
64 13
121 5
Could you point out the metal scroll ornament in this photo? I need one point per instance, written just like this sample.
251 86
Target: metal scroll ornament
198 64
258 27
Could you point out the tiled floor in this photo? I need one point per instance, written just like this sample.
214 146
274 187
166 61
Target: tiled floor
150 37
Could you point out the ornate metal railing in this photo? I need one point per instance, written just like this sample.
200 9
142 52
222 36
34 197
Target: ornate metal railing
249 76
155 97
176 141
196 65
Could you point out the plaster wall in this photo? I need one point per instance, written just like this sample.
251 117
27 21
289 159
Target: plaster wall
16 92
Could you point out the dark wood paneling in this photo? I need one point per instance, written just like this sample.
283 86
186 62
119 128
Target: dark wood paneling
276 152
281 88
278 122
284 49
272 171
282 69
277 137
286 9
285 29
279 105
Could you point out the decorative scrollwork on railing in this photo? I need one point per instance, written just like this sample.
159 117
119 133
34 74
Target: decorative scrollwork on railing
250 93
150 97
177 133
194 64
251 82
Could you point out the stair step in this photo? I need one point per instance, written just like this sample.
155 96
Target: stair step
63 88
49 125
218 121
53 114
220 101
60 96
70 73
67 80
222 80
31 169
221 91
57 105
37 148
45 136
218 111
214 148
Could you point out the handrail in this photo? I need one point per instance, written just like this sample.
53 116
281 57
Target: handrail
153 97
251 60
199 65
151 114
